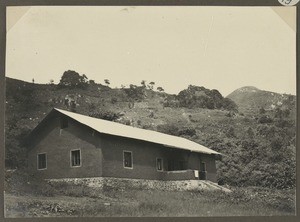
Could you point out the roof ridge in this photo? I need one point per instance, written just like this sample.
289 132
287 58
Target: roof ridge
137 133
112 122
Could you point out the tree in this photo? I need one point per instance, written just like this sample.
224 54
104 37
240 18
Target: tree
73 106
51 81
85 78
265 119
230 132
72 79
151 85
143 83
135 93
106 82
278 113
276 143
228 104
160 89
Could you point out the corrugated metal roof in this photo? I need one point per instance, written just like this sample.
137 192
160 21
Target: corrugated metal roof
117 129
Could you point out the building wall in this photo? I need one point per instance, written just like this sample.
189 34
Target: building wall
102 155
57 144
194 161
144 158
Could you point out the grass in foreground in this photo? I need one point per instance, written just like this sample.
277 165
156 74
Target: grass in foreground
78 201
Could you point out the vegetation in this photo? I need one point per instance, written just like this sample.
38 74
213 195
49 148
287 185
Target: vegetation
135 93
173 129
72 79
106 115
260 156
258 144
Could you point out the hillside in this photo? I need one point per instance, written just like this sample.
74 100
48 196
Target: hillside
250 99
259 148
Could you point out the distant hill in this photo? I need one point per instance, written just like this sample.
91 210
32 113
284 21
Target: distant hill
250 99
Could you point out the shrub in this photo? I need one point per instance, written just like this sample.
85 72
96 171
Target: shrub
188 131
106 115
171 101
114 100
170 129
174 130
282 123
230 132
276 144
265 119
136 93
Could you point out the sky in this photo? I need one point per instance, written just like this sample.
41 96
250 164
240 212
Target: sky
221 48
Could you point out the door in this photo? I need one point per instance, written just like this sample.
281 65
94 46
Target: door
203 171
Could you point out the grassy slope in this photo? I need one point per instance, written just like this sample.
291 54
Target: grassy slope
46 97
128 202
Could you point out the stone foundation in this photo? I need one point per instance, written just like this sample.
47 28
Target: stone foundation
122 184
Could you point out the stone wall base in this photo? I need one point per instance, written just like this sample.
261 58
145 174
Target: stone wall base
140 184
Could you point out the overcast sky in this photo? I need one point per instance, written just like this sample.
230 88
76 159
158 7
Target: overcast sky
220 48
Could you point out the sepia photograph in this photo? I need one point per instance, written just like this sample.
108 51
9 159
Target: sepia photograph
150 111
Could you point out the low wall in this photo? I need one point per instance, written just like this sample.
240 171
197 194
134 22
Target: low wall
123 184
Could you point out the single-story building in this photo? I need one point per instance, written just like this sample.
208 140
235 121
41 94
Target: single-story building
70 145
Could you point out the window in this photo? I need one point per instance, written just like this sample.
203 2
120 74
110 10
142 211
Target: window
41 161
63 122
127 159
159 164
75 158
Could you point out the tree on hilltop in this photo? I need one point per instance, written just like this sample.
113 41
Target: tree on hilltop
107 82
72 79
160 89
151 85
